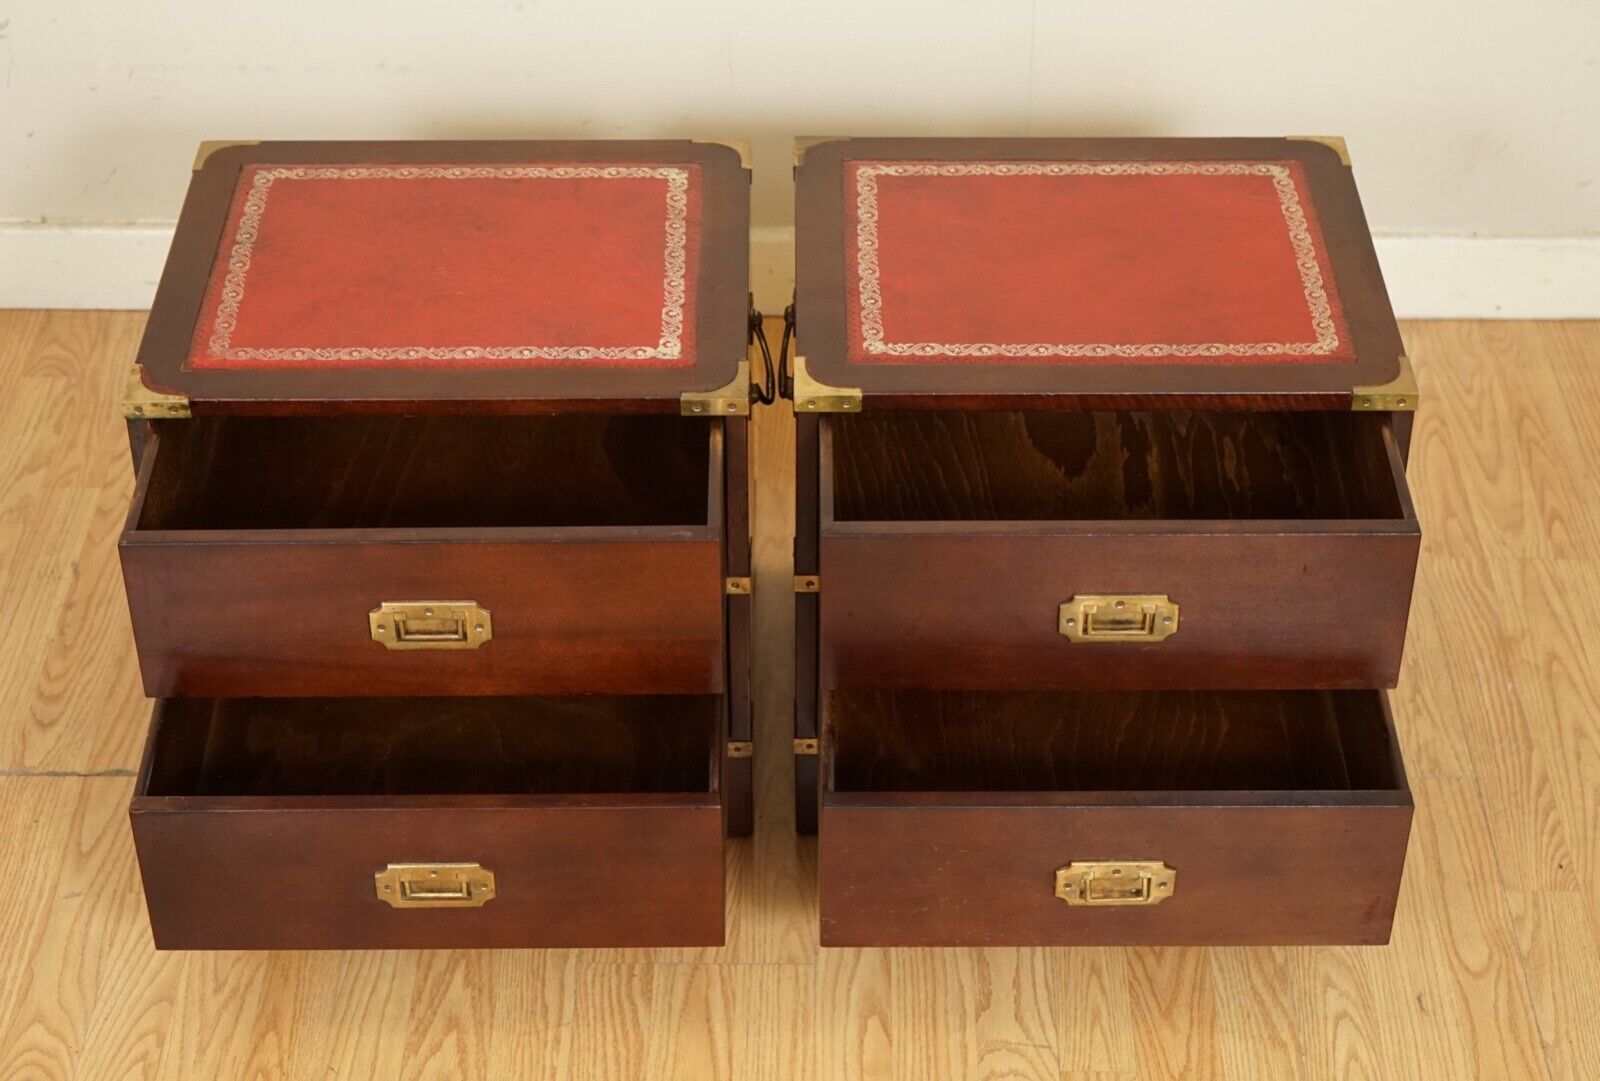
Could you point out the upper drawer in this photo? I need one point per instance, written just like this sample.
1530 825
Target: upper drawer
286 556
970 550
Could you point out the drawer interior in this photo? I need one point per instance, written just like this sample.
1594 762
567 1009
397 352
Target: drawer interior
1110 465
433 746
939 741
422 472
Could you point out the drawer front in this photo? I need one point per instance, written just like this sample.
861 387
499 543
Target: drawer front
284 617
568 872
980 609
966 870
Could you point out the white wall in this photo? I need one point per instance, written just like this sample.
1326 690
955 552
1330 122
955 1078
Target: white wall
1466 118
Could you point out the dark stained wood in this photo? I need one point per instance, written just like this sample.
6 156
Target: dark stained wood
723 297
807 796
289 473
138 435
917 741
820 294
1078 466
247 614
738 774
735 491
283 611
807 724
807 491
945 816
1402 433
1026 511
428 746
260 824
806 554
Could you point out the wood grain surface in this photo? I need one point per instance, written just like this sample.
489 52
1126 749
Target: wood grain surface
1287 540
1490 973
946 814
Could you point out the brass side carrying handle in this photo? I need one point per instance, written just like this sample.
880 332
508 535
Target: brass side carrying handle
1110 617
1115 882
434 885
430 624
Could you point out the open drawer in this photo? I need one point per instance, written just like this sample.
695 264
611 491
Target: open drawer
428 555
1118 550
431 822
1105 818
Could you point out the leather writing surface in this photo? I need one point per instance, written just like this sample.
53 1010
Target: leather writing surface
455 265
1089 261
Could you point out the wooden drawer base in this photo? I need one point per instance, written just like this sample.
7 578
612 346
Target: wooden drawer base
265 823
946 817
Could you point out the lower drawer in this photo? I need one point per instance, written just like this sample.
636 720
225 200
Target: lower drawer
1170 818
402 823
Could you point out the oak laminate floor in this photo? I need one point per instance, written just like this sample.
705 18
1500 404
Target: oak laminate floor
1492 972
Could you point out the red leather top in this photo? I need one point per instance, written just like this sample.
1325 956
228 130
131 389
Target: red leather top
482 265
1053 262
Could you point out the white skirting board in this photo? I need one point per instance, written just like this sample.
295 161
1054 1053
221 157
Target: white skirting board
1429 277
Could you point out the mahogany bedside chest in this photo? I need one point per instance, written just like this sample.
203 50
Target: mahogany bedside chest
438 560
1104 549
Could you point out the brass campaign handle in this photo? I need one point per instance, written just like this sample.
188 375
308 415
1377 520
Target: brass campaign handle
1115 882
1111 617
430 624
434 885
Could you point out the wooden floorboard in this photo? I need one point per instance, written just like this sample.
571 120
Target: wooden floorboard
1491 974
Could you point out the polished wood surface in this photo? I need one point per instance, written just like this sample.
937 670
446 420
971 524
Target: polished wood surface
946 815
738 774
260 823
1489 974
594 578
1095 466
948 541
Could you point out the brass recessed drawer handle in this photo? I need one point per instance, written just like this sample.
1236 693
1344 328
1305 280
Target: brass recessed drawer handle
434 885
1115 882
1109 617
430 624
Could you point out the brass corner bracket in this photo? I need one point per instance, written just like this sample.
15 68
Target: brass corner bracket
808 583
211 146
811 396
807 746
741 748
802 143
1332 142
736 585
139 402
738 146
730 399
1399 395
